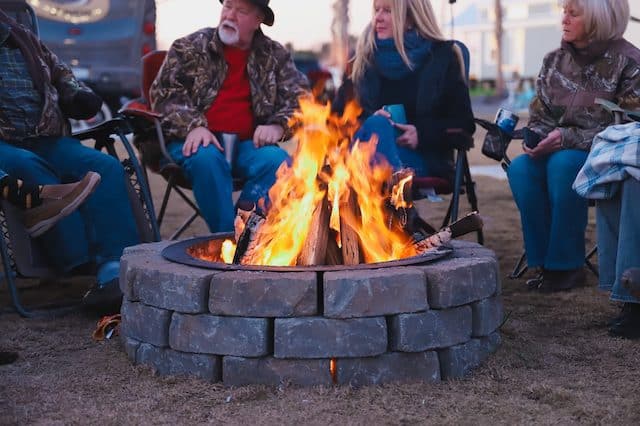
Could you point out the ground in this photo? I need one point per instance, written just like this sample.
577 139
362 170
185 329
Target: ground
556 364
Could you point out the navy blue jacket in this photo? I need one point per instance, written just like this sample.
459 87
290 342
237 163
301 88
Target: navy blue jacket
442 103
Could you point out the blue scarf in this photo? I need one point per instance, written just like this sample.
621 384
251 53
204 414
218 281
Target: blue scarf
388 61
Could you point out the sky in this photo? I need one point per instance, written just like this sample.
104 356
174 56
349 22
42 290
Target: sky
305 23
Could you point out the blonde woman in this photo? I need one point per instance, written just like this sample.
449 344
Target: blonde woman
402 58
593 61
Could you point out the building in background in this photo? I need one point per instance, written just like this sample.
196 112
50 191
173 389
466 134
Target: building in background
531 29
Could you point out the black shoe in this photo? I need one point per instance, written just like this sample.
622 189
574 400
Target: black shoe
105 299
631 281
556 281
7 357
533 284
628 326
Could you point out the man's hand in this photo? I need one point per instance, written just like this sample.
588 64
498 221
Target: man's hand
409 136
196 137
548 145
268 134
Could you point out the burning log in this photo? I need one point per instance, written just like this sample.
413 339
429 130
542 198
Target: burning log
245 208
246 242
470 223
351 254
334 254
315 246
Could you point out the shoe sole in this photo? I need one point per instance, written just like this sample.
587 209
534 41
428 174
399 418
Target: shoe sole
43 226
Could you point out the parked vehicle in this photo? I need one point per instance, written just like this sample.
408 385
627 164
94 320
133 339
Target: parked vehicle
102 41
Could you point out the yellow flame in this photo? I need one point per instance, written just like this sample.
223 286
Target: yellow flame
227 251
324 163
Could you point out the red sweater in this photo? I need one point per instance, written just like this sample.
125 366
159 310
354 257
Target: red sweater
231 111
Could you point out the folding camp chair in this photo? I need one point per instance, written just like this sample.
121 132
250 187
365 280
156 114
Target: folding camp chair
21 256
150 141
505 139
463 182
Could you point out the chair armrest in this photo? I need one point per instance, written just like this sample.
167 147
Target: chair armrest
105 129
459 139
620 115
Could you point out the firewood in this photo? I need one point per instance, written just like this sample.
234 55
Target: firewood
245 208
315 246
351 253
334 254
246 242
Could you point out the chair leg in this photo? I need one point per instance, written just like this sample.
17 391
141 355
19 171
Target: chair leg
587 261
10 279
470 187
520 268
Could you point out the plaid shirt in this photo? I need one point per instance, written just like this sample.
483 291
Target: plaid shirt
614 157
20 101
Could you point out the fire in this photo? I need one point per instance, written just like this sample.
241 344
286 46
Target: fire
327 164
227 251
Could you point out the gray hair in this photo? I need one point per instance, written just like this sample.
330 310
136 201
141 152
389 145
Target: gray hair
603 19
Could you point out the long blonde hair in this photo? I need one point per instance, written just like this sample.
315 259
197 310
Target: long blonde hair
417 14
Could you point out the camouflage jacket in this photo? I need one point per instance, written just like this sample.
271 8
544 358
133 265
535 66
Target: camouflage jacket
194 70
52 78
568 84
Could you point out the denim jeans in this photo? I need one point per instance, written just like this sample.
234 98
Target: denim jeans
2 173
103 226
618 231
553 216
397 156
211 177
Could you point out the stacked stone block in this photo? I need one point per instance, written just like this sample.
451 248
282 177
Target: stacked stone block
425 322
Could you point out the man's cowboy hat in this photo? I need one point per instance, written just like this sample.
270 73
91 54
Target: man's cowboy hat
264 5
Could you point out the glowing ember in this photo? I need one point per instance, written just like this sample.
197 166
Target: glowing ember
227 251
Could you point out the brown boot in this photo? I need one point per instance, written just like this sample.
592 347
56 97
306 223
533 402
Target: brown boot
58 201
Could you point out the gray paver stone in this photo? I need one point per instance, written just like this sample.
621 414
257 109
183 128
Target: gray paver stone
374 292
456 282
145 323
487 316
237 371
429 330
458 361
168 362
329 338
130 347
264 294
210 334
389 367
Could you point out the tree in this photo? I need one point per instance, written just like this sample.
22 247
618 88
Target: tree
498 35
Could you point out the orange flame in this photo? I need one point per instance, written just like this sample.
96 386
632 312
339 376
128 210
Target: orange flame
327 163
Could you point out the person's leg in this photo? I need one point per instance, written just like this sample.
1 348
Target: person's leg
381 127
108 218
569 212
607 232
65 244
528 182
628 248
210 175
413 159
257 166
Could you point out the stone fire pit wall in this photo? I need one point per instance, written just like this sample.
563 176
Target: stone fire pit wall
410 323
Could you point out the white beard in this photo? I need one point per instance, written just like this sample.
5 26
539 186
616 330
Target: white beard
228 36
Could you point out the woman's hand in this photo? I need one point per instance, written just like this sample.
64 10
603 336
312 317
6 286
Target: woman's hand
383 113
548 145
409 136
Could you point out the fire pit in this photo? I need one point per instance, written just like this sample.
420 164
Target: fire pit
334 280
423 322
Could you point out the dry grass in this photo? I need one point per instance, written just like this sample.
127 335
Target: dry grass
556 366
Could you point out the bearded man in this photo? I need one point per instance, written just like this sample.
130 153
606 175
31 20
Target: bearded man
233 80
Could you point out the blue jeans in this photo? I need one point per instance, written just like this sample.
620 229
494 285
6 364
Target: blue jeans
2 173
211 177
397 156
103 226
618 231
553 216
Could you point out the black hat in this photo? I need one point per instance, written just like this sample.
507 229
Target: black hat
264 5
